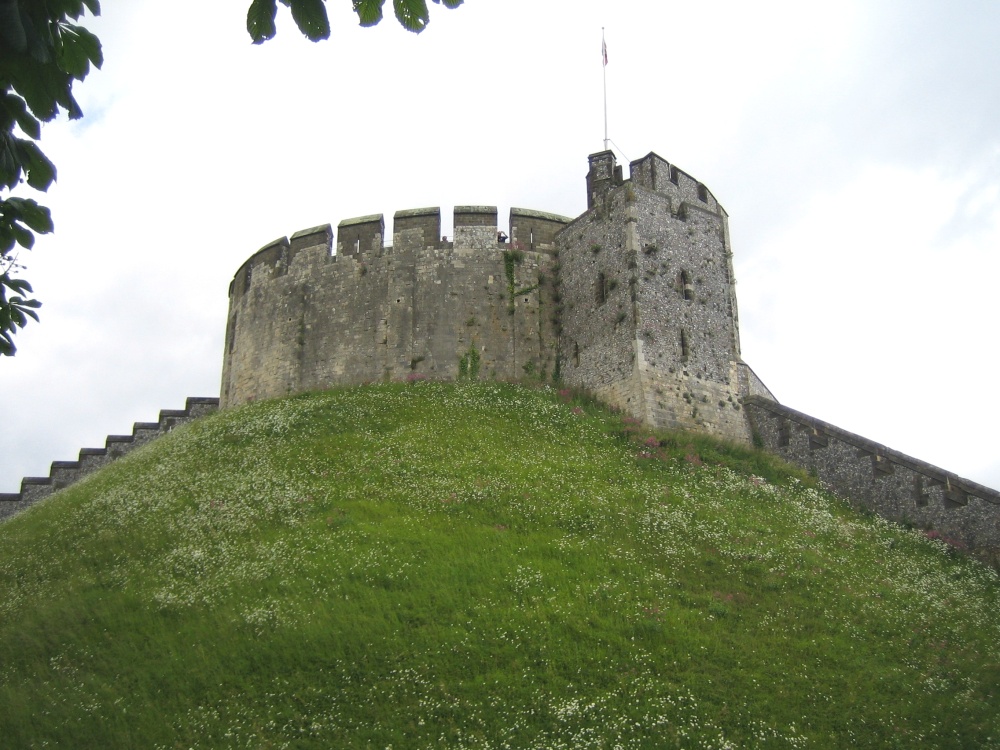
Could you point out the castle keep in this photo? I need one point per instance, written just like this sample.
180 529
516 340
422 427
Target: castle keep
633 300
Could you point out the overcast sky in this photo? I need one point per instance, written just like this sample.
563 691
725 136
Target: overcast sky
855 146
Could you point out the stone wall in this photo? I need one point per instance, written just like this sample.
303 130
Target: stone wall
64 473
304 317
596 264
649 307
633 300
871 476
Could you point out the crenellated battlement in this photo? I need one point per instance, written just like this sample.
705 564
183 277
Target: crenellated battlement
655 173
362 234
880 479
64 473
414 229
535 230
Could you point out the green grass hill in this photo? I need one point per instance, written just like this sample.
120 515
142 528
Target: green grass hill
479 566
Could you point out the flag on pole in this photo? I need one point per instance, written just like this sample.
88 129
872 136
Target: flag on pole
604 75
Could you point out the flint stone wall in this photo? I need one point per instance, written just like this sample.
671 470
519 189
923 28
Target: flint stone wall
872 476
649 308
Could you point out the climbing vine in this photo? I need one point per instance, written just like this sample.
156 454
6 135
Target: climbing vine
468 364
511 259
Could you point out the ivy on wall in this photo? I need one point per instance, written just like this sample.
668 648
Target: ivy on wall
512 259
468 364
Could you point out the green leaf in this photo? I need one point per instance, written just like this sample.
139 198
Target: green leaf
38 32
40 171
260 20
10 163
22 236
25 307
18 285
76 49
17 111
14 313
6 241
450 3
13 213
310 16
12 36
369 11
44 87
412 14
16 316
37 217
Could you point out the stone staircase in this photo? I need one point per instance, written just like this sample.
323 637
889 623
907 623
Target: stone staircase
64 473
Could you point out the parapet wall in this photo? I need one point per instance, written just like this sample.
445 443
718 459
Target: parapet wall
655 173
64 473
893 485
535 230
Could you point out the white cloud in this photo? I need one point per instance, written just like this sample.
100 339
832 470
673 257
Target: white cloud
864 312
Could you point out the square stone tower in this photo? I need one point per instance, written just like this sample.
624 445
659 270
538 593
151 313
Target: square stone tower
648 300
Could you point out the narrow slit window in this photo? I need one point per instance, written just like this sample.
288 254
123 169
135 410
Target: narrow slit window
685 349
601 288
784 434
702 193
684 281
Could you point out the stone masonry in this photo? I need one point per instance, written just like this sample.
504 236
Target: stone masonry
64 473
304 316
649 307
633 300
880 479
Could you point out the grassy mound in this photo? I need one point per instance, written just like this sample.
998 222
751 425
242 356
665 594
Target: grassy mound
478 566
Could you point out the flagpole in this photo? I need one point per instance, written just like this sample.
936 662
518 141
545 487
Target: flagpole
604 68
